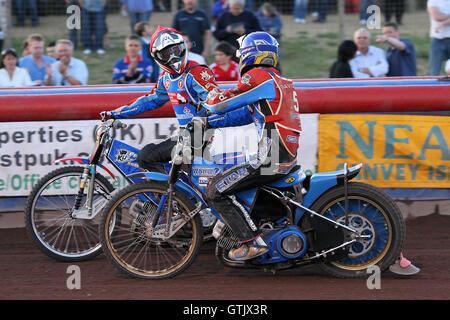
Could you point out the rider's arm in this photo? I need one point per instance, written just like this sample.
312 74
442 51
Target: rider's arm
154 100
253 86
233 118
202 84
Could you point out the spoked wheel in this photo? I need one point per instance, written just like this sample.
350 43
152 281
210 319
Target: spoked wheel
49 215
133 248
373 214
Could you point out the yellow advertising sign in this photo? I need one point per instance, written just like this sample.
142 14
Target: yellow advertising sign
397 151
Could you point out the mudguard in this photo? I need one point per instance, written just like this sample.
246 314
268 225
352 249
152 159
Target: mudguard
180 185
84 161
321 182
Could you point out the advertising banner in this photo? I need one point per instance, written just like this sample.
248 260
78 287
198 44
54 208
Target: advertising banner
28 149
397 151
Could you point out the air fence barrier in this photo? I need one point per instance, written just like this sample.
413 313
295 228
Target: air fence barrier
399 128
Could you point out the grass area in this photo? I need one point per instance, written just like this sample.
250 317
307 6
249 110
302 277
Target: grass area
306 51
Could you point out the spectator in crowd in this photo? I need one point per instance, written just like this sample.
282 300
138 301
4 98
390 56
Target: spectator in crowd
322 10
36 61
363 14
195 23
11 75
401 54
68 70
134 68
192 55
25 49
439 12
370 61
341 67
447 68
235 23
224 68
144 31
92 17
138 11
300 10
219 7
51 50
20 6
270 20
73 33
396 7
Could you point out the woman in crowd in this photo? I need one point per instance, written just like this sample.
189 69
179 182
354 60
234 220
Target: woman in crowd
341 68
270 20
10 74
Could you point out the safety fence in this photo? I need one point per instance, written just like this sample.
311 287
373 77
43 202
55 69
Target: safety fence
398 128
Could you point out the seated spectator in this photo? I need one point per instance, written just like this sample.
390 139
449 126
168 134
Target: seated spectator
192 55
11 75
36 61
51 50
235 23
341 67
134 68
224 68
370 61
68 71
401 54
270 20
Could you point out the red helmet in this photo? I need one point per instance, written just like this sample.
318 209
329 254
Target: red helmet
168 48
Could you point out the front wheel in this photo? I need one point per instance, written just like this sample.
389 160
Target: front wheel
372 213
49 216
133 248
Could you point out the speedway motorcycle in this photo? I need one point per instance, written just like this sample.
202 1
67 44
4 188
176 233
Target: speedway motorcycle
325 218
62 210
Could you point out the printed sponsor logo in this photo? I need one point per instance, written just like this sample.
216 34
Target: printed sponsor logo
289 180
291 139
181 99
180 83
246 79
126 156
167 83
206 171
205 75
231 179
203 181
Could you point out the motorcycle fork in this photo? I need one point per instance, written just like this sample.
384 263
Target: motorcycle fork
87 176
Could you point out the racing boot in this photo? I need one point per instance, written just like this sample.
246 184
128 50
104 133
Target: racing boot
404 267
248 251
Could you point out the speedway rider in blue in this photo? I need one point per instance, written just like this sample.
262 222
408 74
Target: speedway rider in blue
185 84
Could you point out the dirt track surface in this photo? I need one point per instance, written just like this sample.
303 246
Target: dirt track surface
26 273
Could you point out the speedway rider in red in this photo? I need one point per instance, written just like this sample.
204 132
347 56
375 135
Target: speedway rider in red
184 83
274 111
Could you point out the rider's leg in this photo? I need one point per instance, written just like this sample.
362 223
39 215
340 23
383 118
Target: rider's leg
152 155
220 194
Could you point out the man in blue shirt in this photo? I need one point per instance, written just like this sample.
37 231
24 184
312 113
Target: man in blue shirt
195 23
134 68
36 62
401 54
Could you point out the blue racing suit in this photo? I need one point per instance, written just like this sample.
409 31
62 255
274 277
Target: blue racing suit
186 92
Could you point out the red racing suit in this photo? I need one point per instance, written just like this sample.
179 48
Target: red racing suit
274 110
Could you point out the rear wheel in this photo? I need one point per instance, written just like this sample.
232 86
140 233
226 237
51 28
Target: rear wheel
131 246
372 213
49 220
